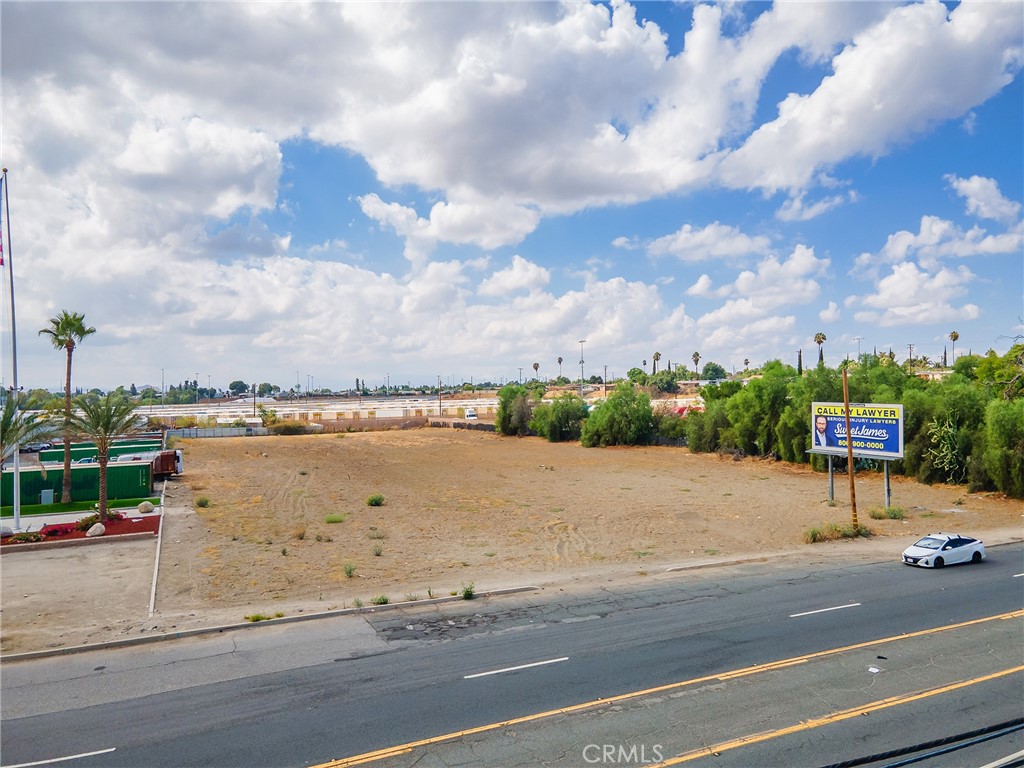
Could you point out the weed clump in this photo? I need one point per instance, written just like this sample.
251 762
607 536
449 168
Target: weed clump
890 513
831 532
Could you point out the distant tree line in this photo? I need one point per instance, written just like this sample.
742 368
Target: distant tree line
967 427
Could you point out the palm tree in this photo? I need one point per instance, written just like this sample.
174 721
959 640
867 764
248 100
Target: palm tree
654 362
559 367
65 331
645 366
536 369
104 420
819 339
696 362
20 428
954 337
746 363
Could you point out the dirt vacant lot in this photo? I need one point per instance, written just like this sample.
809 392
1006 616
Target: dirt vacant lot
470 507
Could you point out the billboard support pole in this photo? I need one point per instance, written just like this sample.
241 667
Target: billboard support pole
888 490
849 451
831 480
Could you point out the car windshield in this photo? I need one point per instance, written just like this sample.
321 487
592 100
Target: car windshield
929 543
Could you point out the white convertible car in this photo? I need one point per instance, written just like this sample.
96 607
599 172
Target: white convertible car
938 549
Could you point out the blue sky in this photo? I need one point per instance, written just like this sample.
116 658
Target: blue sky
279 192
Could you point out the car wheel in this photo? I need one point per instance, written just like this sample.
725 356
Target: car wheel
976 557
939 562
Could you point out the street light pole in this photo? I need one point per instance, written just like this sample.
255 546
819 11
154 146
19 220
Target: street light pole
582 342
857 339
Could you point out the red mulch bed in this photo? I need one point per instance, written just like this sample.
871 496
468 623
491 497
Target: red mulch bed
117 526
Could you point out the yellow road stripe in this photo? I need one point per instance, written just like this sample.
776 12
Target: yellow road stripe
399 749
835 717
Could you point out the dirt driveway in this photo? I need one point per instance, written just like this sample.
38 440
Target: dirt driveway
288 529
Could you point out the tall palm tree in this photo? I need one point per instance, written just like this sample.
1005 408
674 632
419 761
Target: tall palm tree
696 362
746 363
536 369
66 331
654 362
954 337
20 428
104 420
559 367
819 339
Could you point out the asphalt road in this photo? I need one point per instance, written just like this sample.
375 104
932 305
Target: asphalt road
709 642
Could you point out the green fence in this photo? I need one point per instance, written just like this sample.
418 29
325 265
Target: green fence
130 480
88 450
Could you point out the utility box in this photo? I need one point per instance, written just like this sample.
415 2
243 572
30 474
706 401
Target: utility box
46 496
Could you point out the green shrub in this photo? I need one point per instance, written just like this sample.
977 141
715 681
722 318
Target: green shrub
87 522
335 517
892 513
350 569
1004 445
357 603
468 591
202 502
831 532
380 600
378 550
27 537
287 428
254 617
561 420
375 500
625 418
515 409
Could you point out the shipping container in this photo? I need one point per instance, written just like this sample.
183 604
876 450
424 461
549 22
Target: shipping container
125 480
87 451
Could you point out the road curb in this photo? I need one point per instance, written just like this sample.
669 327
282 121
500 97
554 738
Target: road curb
698 566
35 546
132 641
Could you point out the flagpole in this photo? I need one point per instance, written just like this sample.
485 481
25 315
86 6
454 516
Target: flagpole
15 393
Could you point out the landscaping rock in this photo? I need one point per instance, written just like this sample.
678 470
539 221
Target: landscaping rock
5 532
96 530
146 507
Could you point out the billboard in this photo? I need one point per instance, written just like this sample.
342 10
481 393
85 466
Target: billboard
875 429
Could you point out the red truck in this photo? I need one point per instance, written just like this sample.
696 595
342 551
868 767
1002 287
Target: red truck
165 463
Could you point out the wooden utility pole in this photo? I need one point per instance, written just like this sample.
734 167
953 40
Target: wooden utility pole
849 451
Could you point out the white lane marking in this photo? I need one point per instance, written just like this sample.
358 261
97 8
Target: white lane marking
1018 575
513 669
1009 759
61 759
824 610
